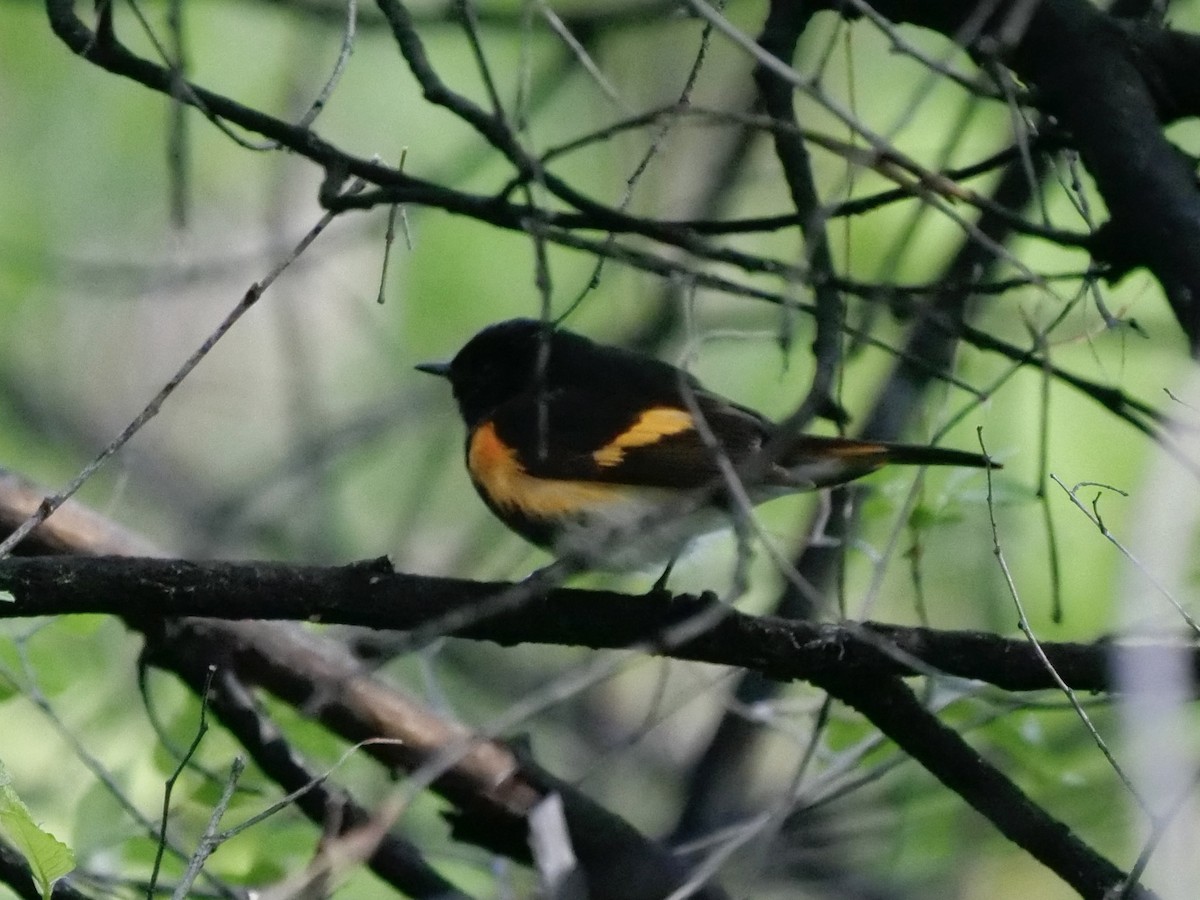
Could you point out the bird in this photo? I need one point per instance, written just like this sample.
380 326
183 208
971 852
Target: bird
606 455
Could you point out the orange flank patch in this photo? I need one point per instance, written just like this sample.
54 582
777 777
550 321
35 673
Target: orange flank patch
495 468
651 427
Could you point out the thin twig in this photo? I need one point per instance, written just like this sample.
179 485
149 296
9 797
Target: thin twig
210 840
343 57
53 501
1027 629
1094 517
169 787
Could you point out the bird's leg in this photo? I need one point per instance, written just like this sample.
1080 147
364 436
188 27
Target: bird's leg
661 583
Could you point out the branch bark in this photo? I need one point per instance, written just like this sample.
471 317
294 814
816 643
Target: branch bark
370 594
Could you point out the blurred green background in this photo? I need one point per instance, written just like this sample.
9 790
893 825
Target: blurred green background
307 436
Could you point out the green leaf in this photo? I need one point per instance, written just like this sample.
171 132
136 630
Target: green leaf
7 597
48 858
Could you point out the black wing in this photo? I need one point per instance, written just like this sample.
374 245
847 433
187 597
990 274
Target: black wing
654 440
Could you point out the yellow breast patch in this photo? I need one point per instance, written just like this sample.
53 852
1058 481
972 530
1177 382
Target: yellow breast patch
495 468
651 426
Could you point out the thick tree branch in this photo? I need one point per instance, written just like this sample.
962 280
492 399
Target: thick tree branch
1167 60
369 593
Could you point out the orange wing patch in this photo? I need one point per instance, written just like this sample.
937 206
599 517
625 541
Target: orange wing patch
495 468
651 426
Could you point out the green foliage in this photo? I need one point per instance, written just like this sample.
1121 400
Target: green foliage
49 859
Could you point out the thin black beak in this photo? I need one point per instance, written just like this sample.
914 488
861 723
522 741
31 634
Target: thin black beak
441 369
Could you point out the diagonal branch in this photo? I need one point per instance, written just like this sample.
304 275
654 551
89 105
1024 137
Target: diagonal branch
890 706
1082 63
396 861
492 788
781 31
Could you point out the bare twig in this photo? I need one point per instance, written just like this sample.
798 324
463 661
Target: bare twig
53 501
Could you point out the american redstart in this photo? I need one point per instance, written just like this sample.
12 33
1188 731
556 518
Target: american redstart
590 451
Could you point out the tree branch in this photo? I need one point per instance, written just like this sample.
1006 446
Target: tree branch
395 860
369 593
492 788
781 31
1086 72
891 707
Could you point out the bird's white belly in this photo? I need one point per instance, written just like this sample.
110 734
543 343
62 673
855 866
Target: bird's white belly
642 528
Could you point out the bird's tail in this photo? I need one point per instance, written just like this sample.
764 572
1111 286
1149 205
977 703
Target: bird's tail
917 455
821 461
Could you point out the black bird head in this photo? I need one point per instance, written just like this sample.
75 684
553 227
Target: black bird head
499 363
505 360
